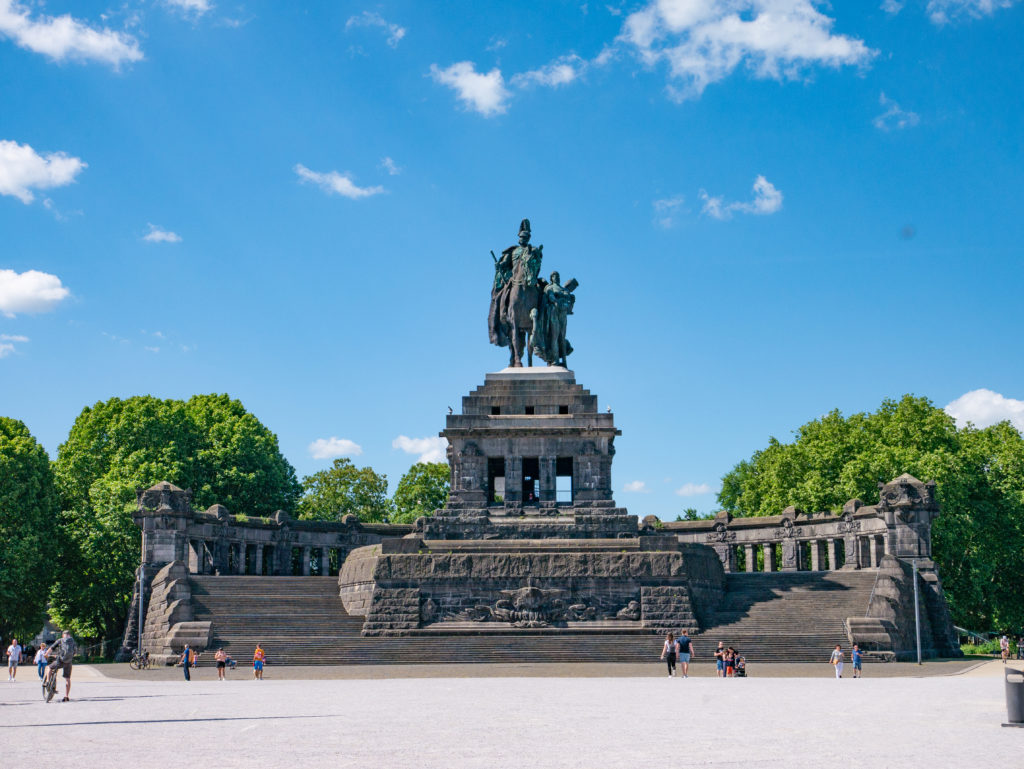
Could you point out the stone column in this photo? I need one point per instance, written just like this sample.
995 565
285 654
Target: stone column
547 481
750 557
307 554
769 556
240 557
727 555
832 555
790 555
852 552
513 482
259 559
325 561
815 546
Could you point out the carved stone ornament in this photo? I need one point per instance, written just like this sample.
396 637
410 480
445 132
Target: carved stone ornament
533 607
631 611
786 531
720 534
428 611
847 525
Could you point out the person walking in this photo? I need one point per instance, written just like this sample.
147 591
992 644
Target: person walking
186 662
1004 648
40 659
258 657
222 662
668 653
685 648
858 660
720 660
1020 648
13 658
837 660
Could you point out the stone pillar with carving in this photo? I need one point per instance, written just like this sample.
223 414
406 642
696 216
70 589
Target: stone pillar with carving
831 545
259 559
815 546
908 507
769 556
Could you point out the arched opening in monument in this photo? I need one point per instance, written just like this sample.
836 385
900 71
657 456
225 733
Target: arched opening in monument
495 480
531 480
268 560
563 480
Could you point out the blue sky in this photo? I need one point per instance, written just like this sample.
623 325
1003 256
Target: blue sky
774 208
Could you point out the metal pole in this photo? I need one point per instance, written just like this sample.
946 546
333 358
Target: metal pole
917 616
142 584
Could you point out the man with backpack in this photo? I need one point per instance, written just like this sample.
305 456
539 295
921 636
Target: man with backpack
63 653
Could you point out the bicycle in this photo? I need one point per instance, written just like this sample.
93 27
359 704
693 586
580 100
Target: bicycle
139 661
49 684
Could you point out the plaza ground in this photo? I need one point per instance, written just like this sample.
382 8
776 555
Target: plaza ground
943 714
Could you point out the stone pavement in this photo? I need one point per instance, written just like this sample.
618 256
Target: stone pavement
794 722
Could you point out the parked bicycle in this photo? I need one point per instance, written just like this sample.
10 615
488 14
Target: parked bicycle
139 660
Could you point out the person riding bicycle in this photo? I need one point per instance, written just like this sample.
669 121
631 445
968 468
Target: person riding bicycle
64 653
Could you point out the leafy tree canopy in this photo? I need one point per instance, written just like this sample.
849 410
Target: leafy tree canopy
978 540
28 518
209 443
344 489
421 491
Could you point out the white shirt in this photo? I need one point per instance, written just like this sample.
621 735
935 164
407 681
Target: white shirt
14 653
40 656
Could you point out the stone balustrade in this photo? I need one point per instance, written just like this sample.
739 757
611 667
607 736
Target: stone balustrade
858 537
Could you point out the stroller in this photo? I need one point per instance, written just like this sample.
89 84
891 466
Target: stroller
741 667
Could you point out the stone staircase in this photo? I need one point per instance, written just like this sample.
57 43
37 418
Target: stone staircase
792 617
789 616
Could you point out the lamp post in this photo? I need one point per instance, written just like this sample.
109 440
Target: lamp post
917 615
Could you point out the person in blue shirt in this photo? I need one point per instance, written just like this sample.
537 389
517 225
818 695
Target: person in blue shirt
857 658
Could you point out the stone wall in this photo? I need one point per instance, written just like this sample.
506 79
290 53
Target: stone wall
169 620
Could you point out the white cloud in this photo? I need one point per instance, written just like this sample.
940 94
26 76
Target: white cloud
390 166
946 11
485 93
369 19
333 182
767 200
561 71
29 292
7 343
330 448
894 116
892 6
22 170
693 489
704 41
64 37
151 349
985 407
159 235
667 210
433 449
636 486
190 8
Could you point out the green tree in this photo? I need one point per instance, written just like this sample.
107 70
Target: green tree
28 516
209 443
422 490
978 540
344 489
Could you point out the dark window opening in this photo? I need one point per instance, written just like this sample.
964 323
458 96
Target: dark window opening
531 480
268 560
563 479
334 562
529 409
296 561
495 480
495 410
314 563
563 409
840 554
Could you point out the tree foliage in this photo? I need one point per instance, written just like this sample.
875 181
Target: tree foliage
422 490
978 539
28 517
344 489
209 443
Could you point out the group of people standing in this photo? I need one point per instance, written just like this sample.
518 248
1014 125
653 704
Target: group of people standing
190 659
729 663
